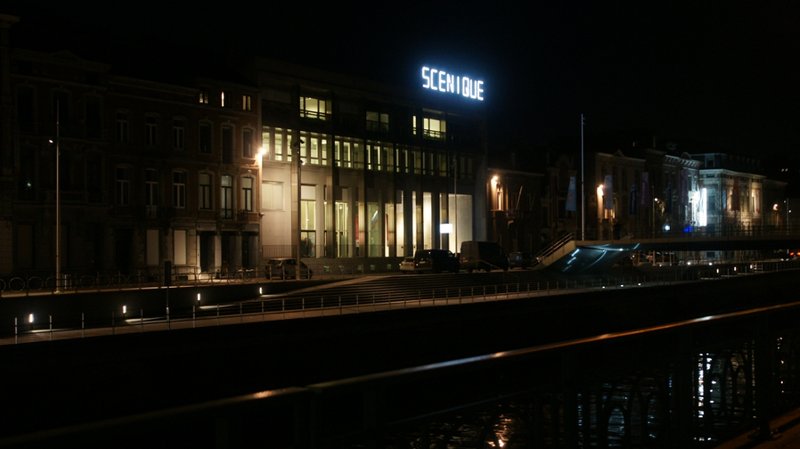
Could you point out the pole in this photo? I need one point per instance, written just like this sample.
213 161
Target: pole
583 189
455 204
58 194
296 147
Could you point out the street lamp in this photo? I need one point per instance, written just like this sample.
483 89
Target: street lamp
653 224
58 195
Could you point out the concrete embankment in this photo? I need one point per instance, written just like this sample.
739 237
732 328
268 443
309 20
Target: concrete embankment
70 381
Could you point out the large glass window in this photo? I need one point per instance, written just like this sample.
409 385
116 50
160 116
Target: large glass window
374 234
308 221
343 240
316 108
276 142
179 189
204 191
314 149
226 196
459 212
400 228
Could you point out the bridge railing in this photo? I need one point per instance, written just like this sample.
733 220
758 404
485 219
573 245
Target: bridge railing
564 389
117 318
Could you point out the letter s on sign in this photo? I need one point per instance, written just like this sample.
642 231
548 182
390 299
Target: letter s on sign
426 76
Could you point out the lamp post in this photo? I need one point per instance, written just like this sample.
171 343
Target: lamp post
296 141
58 195
583 190
655 201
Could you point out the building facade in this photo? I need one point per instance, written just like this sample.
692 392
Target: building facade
148 172
380 174
213 177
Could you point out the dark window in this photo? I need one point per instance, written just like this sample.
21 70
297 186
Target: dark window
227 145
205 138
247 143
26 114
94 124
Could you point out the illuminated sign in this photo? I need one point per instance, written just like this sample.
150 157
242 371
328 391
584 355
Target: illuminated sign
442 81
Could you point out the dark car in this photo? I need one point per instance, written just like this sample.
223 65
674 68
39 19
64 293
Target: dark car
286 268
521 259
487 256
435 261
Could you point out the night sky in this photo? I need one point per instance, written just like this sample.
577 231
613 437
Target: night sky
712 76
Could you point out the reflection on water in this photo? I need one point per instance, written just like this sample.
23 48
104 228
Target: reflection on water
638 409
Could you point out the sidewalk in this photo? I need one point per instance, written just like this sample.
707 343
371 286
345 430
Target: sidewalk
785 435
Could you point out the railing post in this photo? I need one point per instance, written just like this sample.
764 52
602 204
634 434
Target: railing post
51 326
16 330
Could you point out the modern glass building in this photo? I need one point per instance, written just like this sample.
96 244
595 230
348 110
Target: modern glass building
381 172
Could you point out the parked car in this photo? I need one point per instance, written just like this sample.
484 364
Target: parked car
435 261
407 265
476 255
286 268
521 259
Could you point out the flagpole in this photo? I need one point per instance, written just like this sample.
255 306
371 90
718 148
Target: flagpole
583 190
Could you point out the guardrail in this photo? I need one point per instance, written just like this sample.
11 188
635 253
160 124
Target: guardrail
375 410
34 327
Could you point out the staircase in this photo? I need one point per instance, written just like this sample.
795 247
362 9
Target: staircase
559 249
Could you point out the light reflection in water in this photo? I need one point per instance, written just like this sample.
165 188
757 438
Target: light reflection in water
626 411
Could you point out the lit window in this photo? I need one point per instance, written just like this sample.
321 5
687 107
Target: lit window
315 108
247 103
434 128
222 99
202 97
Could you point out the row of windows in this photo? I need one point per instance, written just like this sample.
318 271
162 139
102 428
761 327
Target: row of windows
320 109
178 193
245 101
315 148
178 136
